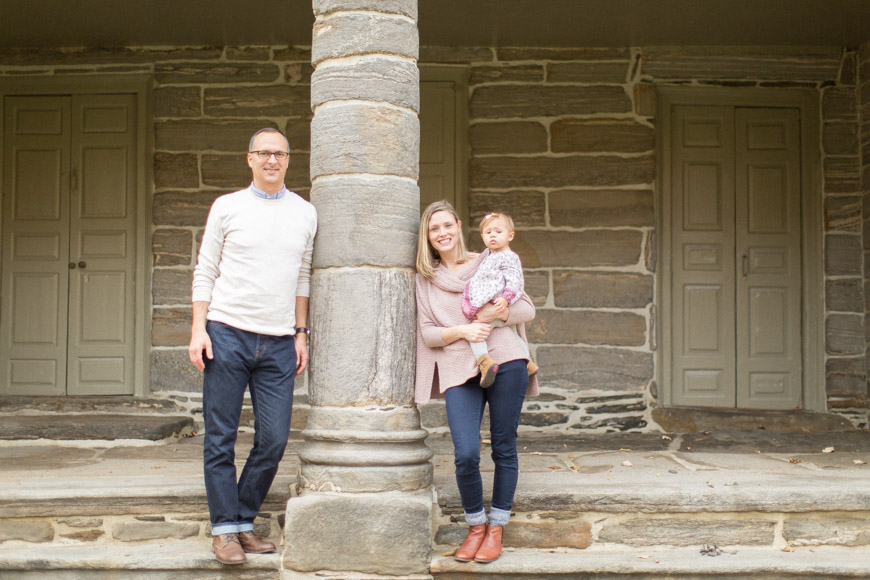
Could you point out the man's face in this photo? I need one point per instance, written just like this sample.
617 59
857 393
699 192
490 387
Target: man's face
268 173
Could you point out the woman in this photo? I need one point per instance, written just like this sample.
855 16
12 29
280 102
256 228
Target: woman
446 367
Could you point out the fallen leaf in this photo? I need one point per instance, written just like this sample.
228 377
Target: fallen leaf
793 460
643 557
858 462
554 467
828 450
666 438
788 549
450 553
575 468
624 449
627 464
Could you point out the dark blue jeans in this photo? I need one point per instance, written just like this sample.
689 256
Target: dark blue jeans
465 405
267 365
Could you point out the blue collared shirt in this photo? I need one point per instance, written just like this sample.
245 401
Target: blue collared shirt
260 193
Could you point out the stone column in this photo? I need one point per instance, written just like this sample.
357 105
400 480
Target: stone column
366 478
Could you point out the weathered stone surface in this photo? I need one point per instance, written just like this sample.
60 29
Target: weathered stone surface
621 409
247 52
587 72
374 332
209 72
376 78
587 327
455 54
537 286
606 369
601 289
843 255
170 326
352 34
26 530
844 334
543 249
803 531
173 170
840 139
503 72
81 522
650 254
172 247
177 102
404 7
298 73
842 175
740 63
542 419
546 53
231 172
509 137
298 132
493 102
83 536
134 532
645 100
272 101
171 370
323 531
174 208
601 135
293 53
526 208
610 424
689 532
839 104
598 171
602 208
844 295
846 377
216 135
352 211
73 56
171 286
843 214
364 138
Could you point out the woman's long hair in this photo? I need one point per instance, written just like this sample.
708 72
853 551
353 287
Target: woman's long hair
427 256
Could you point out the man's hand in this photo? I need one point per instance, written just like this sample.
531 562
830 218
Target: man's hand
199 342
301 352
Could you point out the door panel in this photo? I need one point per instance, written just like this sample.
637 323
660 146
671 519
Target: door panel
703 289
66 324
35 274
769 373
437 142
101 292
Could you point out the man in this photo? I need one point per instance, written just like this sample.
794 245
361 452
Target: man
250 317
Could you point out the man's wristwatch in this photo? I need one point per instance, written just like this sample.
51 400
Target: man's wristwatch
303 330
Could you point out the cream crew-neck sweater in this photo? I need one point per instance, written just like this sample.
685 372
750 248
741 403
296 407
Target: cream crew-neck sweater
255 259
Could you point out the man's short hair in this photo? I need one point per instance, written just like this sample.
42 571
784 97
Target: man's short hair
267 130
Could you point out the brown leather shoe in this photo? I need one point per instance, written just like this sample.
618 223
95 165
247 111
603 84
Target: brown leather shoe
490 549
253 544
472 542
488 369
228 550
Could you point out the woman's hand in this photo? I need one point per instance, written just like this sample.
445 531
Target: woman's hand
488 313
475 332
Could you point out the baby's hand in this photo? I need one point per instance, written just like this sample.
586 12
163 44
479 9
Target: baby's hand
500 304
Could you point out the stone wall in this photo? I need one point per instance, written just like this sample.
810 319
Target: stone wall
564 140
863 103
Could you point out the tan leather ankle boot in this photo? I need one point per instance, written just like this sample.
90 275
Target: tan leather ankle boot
490 549
469 547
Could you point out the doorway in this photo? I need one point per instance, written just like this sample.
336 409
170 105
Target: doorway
737 230
69 236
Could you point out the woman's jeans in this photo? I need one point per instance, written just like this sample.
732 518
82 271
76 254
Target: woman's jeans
267 364
465 404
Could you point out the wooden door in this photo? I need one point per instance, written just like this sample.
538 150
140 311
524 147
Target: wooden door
736 278
437 142
67 313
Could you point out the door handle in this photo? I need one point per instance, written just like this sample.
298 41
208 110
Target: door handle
83 265
72 265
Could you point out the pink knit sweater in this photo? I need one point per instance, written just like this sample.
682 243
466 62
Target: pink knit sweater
439 305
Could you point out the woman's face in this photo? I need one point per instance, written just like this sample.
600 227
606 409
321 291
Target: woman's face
444 232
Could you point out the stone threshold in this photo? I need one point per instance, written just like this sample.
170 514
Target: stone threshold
104 427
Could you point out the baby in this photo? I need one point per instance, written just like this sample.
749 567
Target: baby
498 280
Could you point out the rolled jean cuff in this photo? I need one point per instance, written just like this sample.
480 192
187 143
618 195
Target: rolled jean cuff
221 529
499 517
475 519
246 527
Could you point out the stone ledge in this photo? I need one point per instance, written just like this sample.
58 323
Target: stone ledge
94 427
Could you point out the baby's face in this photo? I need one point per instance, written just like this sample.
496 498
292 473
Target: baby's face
496 235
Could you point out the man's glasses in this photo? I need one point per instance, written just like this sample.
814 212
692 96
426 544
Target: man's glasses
263 154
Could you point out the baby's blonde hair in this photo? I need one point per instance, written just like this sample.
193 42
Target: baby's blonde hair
491 217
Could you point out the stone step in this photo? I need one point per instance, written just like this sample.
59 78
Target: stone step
661 564
171 560
97 427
